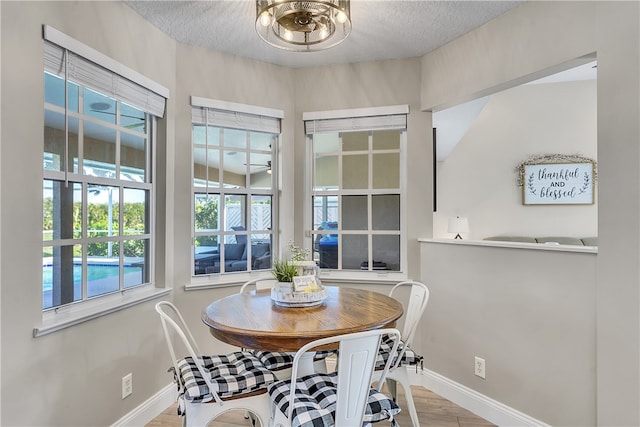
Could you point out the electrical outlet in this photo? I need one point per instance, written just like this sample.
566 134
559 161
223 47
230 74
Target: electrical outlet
127 385
479 367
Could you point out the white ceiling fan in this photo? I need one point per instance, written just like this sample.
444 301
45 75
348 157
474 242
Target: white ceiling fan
262 165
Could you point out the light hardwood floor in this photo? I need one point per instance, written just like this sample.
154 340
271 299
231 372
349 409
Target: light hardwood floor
432 409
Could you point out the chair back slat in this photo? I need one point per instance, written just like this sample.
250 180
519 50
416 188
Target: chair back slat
356 357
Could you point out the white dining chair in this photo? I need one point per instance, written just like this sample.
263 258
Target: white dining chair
211 385
344 398
278 361
404 356
258 284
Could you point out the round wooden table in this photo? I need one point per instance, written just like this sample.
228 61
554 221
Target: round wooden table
253 321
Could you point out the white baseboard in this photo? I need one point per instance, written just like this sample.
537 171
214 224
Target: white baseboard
481 405
150 409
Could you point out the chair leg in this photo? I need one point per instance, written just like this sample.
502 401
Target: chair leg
201 414
401 376
393 389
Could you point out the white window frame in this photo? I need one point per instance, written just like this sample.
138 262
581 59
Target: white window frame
153 99
249 119
366 119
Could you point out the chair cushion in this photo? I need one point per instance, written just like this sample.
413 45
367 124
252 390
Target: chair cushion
276 361
260 249
231 374
315 401
409 357
561 240
233 251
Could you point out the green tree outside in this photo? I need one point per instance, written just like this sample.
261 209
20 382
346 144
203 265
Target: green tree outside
134 223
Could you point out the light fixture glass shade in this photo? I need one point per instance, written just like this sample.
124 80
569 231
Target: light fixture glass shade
303 26
458 225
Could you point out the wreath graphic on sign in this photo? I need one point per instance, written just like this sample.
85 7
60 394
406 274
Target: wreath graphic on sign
553 158
532 190
585 184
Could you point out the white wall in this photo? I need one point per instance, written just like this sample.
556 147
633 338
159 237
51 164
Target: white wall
528 41
528 313
478 179
618 270
71 377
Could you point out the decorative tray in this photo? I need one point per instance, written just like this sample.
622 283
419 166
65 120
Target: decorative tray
285 297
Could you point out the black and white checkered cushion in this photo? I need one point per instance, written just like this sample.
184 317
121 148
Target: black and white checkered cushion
315 402
276 361
386 345
231 374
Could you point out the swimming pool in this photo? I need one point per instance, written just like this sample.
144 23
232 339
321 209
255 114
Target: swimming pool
101 278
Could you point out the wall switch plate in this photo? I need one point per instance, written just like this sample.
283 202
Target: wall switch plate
479 367
127 385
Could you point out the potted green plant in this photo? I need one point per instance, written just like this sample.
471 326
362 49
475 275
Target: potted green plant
291 293
284 270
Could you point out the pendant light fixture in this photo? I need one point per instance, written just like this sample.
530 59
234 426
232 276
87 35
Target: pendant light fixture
303 26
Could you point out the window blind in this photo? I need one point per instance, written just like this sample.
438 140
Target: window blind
347 124
84 72
235 120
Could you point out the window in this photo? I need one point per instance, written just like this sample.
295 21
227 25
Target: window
356 192
234 198
98 176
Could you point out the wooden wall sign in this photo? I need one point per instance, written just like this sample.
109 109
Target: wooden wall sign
558 184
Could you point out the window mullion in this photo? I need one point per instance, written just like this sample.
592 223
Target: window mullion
340 196
370 204
85 242
117 142
121 234
81 123
206 152
66 116
220 159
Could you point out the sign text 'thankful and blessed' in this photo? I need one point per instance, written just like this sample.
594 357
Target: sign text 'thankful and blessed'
558 183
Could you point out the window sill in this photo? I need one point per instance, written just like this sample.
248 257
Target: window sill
65 317
514 245
330 276
224 280
362 277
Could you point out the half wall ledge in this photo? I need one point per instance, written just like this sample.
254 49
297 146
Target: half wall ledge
549 246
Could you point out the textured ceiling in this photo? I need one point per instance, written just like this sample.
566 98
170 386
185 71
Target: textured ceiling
388 29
